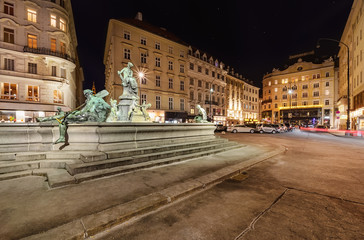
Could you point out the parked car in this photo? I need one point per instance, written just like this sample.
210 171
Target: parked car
283 127
268 128
241 128
220 128
289 127
278 128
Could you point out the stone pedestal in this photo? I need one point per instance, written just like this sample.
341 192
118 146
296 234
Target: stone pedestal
124 106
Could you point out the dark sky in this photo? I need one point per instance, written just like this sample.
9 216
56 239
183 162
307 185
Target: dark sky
250 36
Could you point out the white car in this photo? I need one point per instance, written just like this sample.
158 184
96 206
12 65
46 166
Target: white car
268 128
241 128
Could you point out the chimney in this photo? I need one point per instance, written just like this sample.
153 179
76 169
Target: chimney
139 16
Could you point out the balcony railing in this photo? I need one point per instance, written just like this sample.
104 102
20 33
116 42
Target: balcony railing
48 51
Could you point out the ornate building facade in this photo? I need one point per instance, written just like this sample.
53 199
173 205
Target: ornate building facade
160 61
39 65
353 38
304 93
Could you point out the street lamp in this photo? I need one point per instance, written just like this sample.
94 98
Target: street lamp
348 76
141 75
290 91
211 91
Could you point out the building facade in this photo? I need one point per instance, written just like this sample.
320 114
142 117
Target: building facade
242 99
207 84
304 93
160 56
353 38
39 65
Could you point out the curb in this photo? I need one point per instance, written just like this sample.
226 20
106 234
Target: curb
92 224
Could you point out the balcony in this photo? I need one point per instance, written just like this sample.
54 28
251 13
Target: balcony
47 51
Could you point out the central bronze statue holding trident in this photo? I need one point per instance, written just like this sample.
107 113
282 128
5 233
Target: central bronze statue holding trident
130 85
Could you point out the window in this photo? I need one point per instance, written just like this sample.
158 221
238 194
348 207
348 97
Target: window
284 89
9 64
275 105
62 24
170 65
143 40
192 110
32 41
304 86
63 73
33 93
294 104
192 81
182 86
304 103
53 20
284 96
218 76
327 102
9 8
127 53
192 66
170 103
8 35
275 89
182 54
62 46
170 50
199 83
181 68
144 98
182 104
275 81
327 74
199 69
157 45
157 81
316 94
9 91
213 74
275 97
143 80
192 95
304 95
157 102
284 104
157 62
294 96
316 102
57 96
126 35
316 85
61 2
143 58
207 85
206 71
54 71
32 68
269 83
170 83
199 97
327 84
53 44
32 15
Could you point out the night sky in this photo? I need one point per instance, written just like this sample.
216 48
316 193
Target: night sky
251 36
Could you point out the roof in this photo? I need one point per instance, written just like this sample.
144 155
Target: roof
153 29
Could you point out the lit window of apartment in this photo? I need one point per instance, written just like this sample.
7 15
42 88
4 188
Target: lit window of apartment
33 93
126 35
143 40
170 83
316 102
32 41
327 102
144 98
182 86
182 104
54 71
157 45
181 68
31 15
157 62
157 81
158 102
62 46
62 24
170 65
9 91
9 64
32 68
53 44
143 57
53 20
304 95
57 96
170 50
9 8
275 81
170 103
275 89
127 53
192 110
199 69
269 83
316 94
316 85
63 73
8 35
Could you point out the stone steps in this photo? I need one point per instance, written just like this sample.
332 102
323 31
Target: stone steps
86 176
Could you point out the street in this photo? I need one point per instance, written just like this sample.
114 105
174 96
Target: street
314 190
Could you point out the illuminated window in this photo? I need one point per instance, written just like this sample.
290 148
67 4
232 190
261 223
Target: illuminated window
53 20
9 64
192 111
8 35
275 89
9 91
32 68
33 93
32 15
53 44
62 24
327 92
32 41
182 104
170 103
269 83
275 81
157 102
57 96
9 8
